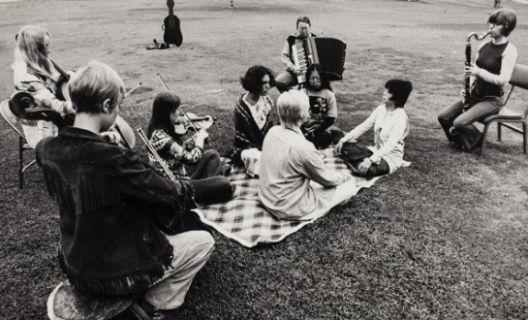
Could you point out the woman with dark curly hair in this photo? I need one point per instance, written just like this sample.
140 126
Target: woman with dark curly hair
252 116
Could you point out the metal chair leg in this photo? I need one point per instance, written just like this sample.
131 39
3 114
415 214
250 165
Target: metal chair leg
21 162
484 137
499 131
525 136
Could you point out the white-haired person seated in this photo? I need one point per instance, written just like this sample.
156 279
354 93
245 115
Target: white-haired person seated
391 126
289 163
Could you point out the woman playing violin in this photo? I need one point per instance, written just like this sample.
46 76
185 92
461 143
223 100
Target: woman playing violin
187 158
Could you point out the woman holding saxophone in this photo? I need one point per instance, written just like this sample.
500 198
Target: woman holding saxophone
491 71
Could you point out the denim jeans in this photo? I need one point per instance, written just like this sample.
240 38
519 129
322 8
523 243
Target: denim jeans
191 251
467 135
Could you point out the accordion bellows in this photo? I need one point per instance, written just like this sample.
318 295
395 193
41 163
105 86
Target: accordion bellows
330 53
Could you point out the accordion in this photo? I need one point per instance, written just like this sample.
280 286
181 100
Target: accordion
328 52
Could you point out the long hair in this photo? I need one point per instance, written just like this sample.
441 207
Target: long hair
325 84
31 50
165 103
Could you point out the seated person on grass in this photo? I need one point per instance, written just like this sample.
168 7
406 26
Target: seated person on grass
289 163
391 126
122 225
252 117
186 158
319 129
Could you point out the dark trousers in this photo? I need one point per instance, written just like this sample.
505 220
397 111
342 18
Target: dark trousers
323 138
209 165
212 190
207 180
355 153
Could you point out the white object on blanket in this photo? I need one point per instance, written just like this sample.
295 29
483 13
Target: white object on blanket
251 159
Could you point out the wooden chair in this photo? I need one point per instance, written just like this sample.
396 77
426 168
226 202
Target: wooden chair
506 117
27 138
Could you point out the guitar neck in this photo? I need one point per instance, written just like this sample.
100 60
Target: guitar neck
170 5
60 70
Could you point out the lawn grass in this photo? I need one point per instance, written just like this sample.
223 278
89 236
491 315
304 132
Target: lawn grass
442 239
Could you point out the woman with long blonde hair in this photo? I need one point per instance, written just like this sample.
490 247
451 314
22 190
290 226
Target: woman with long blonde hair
34 72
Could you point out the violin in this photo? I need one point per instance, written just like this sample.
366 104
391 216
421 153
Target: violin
182 124
186 122
171 25
125 131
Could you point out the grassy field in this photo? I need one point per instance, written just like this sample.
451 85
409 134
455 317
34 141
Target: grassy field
443 239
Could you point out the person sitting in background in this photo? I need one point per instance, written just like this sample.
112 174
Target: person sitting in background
391 126
122 225
186 158
288 78
33 72
492 70
289 163
252 117
319 128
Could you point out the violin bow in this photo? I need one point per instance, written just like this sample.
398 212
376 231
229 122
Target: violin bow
143 137
184 113
133 89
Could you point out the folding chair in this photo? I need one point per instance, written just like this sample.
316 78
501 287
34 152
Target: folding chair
28 136
505 117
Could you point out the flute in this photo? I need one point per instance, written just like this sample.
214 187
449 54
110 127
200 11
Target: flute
151 149
467 77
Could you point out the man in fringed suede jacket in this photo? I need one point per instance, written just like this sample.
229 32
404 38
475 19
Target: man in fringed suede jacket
119 219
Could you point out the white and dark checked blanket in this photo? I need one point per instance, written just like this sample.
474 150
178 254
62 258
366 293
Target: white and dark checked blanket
245 220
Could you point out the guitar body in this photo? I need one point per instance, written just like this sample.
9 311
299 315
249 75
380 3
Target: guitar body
171 25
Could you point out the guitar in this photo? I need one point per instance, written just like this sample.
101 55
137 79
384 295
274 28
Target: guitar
171 25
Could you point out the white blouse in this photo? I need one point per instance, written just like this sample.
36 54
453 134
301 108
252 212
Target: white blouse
260 110
390 129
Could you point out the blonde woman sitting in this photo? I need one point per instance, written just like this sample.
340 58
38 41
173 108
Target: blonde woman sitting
289 163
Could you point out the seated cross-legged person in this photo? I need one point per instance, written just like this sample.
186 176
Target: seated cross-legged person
320 128
122 225
391 126
289 163
186 158
252 118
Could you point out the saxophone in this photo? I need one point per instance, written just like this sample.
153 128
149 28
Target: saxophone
467 89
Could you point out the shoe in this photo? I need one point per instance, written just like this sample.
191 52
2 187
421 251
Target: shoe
227 171
157 314
233 189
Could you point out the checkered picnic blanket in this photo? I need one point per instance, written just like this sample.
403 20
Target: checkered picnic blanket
245 220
